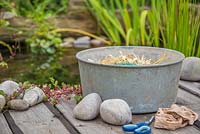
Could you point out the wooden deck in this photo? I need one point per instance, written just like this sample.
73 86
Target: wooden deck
46 119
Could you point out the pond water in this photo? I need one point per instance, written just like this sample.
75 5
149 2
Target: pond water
24 67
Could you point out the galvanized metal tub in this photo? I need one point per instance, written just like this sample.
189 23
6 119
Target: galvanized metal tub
144 88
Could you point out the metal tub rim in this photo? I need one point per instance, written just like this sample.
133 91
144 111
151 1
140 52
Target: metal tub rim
78 56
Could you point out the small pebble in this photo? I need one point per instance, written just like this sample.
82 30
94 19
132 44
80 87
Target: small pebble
82 42
97 43
68 42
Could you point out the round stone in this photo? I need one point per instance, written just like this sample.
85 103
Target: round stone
34 95
9 87
18 104
68 42
115 112
96 42
82 42
88 108
191 69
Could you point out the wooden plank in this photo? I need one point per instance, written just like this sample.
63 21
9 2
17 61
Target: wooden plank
61 117
192 87
14 128
99 127
4 128
188 100
38 120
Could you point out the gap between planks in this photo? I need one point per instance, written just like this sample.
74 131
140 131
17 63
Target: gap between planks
61 117
4 127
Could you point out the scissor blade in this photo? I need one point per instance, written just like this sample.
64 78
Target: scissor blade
151 120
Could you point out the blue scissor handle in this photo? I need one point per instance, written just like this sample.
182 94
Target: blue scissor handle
139 128
129 127
143 130
132 127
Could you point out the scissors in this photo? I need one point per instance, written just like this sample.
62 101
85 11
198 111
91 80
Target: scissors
139 128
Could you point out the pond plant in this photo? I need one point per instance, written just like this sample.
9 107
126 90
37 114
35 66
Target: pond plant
173 24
